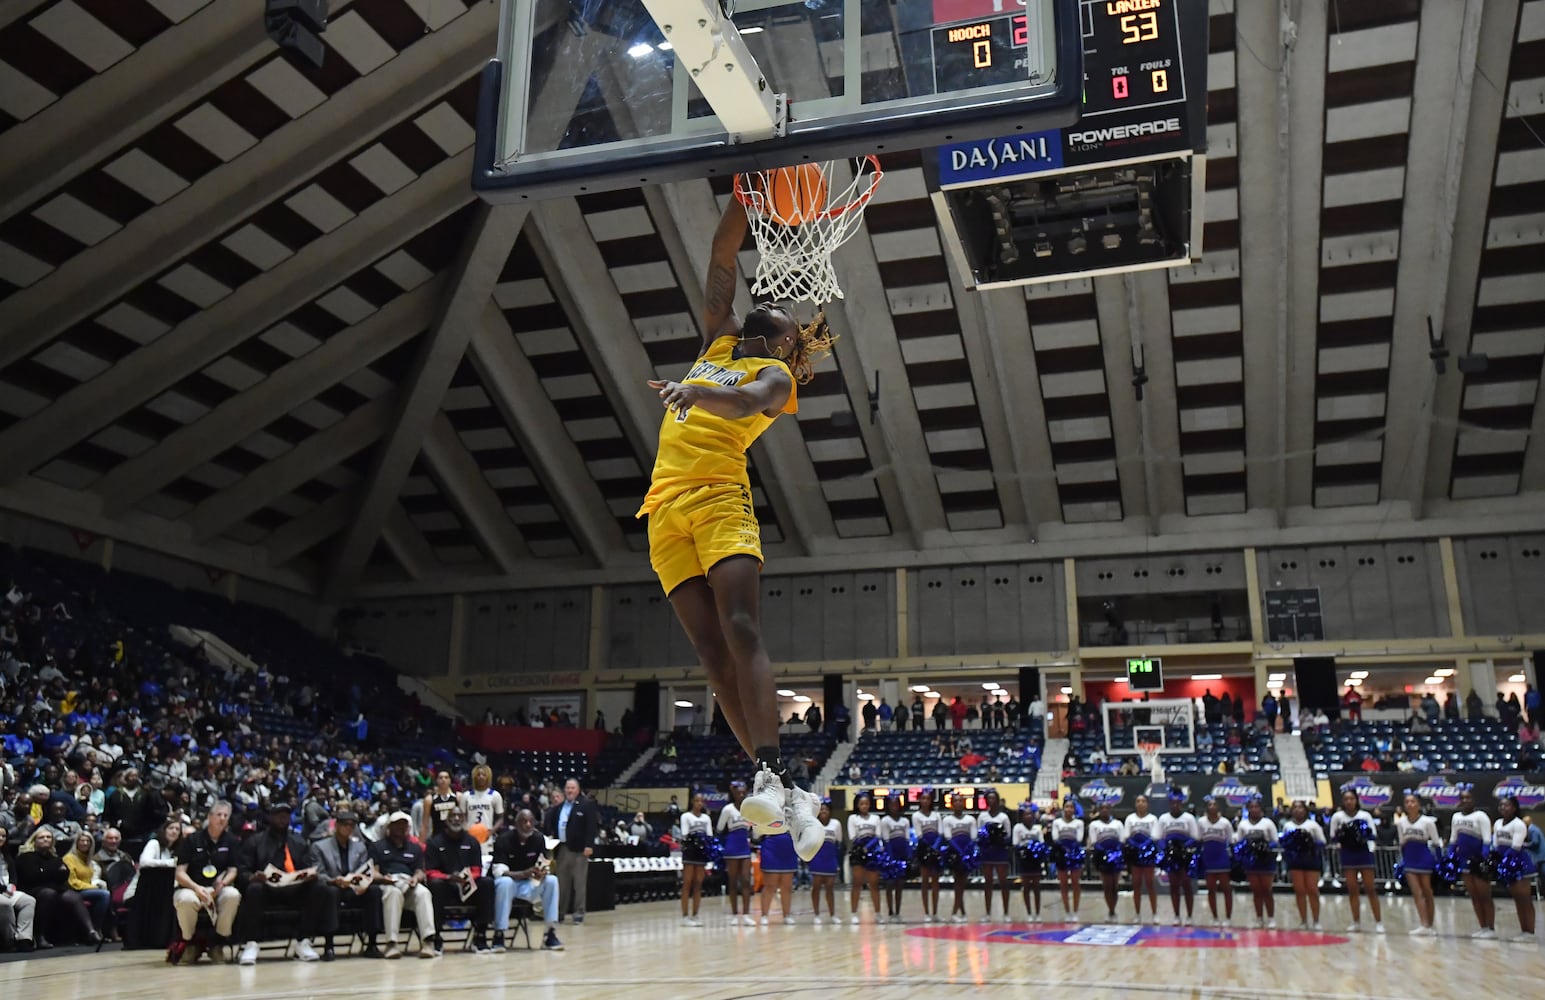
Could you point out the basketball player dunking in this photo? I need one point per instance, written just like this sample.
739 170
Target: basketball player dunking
704 540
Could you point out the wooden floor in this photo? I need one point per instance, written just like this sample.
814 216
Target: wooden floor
644 945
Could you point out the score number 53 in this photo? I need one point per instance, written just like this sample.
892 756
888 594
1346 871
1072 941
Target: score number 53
1139 28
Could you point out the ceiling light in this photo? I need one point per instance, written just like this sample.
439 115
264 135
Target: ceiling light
640 50
755 29
1276 677
866 697
1118 680
1517 679
683 704
1274 685
803 699
1433 681
920 688
1445 672
785 693
1354 682
1359 674
1067 690
1206 677
991 685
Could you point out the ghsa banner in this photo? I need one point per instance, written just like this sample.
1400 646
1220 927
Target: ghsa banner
1232 791
1378 789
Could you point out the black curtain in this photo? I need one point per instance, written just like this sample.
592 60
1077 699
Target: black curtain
646 705
1315 680
1029 690
831 697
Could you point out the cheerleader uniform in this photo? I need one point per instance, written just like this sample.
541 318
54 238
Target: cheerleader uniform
1508 839
862 831
778 856
1468 835
826 859
1417 841
736 834
960 831
896 832
1023 835
692 823
927 827
1310 860
1142 829
1353 858
1215 839
995 855
1104 837
1182 828
1070 835
1266 832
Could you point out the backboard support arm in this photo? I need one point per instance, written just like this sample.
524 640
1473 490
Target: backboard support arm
713 52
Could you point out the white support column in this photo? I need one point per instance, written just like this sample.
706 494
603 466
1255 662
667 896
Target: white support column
712 51
487 246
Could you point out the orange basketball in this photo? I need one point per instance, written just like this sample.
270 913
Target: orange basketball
796 194
479 832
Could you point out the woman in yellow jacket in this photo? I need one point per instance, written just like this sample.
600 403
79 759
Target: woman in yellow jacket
86 878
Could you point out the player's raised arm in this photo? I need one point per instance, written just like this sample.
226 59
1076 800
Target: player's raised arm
723 274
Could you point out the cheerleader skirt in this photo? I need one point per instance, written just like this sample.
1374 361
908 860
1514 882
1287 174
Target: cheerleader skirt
859 846
899 847
994 855
1417 858
825 861
1468 848
737 845
778 855
928 843
1103 849
691 855
1306 861
1354 860
1515 864
1259 866
1071 846
1139 840
1216 859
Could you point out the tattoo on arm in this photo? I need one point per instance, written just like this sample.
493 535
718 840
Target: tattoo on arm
720 299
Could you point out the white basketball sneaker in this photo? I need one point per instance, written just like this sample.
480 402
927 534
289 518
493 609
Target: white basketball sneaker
807 830
763 808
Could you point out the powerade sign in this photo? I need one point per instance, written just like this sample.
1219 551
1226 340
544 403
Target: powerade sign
1013 156
991 159
1383 789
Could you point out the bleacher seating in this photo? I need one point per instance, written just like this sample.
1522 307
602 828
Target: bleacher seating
910 757
1253 746
1481 745
701 761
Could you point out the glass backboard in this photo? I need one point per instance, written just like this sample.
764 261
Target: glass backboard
590 95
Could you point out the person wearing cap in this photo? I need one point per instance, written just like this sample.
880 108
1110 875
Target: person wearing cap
278 847
521 863
400 865
454 861
342 863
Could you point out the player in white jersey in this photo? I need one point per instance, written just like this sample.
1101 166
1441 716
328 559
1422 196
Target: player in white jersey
694 861
994 846
959 830
826 863
1106 835
1067 835
1142 835
863 836
1515 867
926 824
896 834
483 804
1356 853
1419 840
1305 866
1028 830
1260 865
1469 833
735 834
1177 825
1217 836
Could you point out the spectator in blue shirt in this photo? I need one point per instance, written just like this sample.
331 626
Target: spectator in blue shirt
886 713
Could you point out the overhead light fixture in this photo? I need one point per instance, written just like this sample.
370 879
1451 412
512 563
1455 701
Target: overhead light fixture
866 697
1274 685
1206 677
785 693
858 690
683 704
641 50
1354 682
1067 690
1360 674
755 29
1517 679
933 694
1118 680
1445 672
803 699
991 685
1433 681
920 688
1276 677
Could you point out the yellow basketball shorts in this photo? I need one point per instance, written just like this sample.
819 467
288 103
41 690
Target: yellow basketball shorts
698 528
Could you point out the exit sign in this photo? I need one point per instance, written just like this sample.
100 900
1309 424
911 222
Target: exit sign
1145 674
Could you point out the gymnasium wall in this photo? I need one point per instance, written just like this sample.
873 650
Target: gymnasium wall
1376 591
1237 687
1502 584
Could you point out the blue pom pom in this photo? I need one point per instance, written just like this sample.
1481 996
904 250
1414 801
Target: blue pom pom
927 855
1354 836
1033 856
1512 866
1297 843
1107 859
991 837
1175 856
1399 873
960 859
1252 853
698 846
892 868
1143 853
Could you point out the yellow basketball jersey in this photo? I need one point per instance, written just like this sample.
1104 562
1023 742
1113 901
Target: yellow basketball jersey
697 447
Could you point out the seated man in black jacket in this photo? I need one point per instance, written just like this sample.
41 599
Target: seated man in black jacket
287 852
343 865
454 861
520 859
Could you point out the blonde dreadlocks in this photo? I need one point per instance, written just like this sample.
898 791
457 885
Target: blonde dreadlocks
814 342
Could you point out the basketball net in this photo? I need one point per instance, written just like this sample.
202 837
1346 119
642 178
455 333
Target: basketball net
796 259
1149 754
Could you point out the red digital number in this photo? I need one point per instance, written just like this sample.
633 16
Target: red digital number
1118 86
1021 31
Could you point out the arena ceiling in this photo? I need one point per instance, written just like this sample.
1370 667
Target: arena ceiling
254 317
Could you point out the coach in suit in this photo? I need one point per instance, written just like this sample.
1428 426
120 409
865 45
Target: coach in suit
576 822
336 858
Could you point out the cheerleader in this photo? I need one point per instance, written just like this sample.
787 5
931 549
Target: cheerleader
1418 836
1216 834
1305 867
1106 836
897 834
1142 830
1026 830
694 862
960 830
1356 859
1179 826
1261 870
925 822
735 833
995 860
1469 833
1508 838
1067 832
863 833
824 866
779 863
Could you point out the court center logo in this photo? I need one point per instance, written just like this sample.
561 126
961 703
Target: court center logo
1101 793
1529 796
1235 792
1369 792
1443 793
